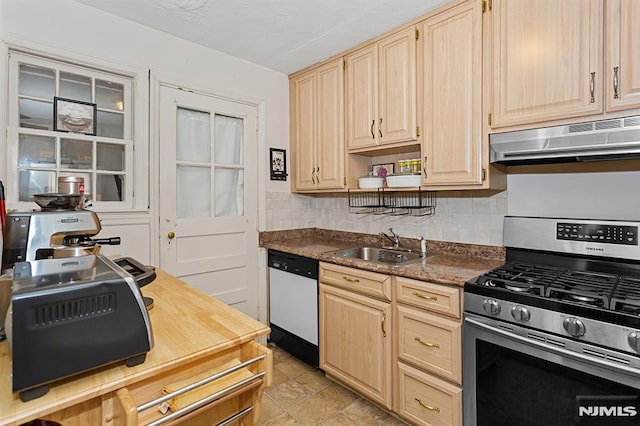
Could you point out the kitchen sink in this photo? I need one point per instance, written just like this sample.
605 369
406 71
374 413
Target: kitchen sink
381 255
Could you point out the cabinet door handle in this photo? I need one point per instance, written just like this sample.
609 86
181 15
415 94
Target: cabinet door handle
313 175
422 296
424 166
384 319
615 82
351 280
380 127
428 407
373 123
318 174
592 87
427 344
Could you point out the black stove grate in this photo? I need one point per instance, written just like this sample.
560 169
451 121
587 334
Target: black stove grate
626 296
597 289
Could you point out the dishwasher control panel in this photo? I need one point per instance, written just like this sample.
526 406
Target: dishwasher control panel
294 264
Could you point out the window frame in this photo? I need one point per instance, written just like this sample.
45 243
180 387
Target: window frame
16 58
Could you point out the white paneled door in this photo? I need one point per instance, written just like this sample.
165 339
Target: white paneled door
208 195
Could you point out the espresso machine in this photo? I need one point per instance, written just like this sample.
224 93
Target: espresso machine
45 234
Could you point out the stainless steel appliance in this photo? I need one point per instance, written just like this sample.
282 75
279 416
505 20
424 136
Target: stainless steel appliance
40 234
610 139
552 337
72 315
293 304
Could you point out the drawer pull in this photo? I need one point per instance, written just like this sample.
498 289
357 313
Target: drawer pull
384 319
428 407
351 280
427 344
206 400
422 296
235 417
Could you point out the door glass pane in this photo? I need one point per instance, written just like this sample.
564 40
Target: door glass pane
36 151
109 188
74 86
75 154
193 192
36 114
193 139
109 95
35 182
229 192
110 157
110 125
228 140
36 82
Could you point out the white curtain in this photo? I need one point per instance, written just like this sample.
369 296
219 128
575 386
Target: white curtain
229 181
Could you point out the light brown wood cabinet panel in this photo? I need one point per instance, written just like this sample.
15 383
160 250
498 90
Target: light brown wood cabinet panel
430 342
355 342
358 280
381 92
450 76
547 60
622 63
433 297
317 128
426 400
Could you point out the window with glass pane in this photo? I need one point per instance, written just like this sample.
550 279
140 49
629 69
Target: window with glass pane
44 154
110 188
193 138
229 181
193 192
36 151
75 154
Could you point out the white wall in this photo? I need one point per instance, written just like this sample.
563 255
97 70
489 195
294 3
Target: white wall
64 28
611 195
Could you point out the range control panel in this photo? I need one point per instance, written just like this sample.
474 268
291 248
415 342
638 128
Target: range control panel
593 233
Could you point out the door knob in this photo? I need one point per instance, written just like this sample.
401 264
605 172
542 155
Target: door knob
171 235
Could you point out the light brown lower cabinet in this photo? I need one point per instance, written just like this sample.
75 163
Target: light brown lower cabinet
355 331
425 399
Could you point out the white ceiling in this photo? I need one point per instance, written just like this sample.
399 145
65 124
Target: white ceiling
284 35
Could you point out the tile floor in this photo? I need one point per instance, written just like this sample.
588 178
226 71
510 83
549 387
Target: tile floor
301 395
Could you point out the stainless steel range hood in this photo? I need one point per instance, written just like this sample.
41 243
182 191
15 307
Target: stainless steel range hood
611 139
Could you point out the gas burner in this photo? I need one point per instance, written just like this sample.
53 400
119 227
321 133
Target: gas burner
584 299
489 283
519 288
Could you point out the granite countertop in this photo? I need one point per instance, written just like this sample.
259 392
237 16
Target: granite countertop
446 263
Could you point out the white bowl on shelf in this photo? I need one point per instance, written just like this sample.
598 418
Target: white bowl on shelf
404 180
370 182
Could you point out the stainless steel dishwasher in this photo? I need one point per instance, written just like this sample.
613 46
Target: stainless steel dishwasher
293 304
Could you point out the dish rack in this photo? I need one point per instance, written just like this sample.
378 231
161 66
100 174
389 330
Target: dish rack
395 203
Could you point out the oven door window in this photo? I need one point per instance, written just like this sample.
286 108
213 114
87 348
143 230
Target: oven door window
513 388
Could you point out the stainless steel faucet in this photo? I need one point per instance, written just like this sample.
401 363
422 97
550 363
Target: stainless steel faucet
395 239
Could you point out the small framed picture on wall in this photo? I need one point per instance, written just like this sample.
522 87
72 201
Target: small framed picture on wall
278 158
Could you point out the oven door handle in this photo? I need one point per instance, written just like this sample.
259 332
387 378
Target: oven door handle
551 348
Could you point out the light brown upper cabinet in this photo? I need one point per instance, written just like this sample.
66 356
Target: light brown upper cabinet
317 127
622 63
547 60
381 92
450 76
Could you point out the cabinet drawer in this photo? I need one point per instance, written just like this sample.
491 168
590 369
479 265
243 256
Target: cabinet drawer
366 282
430 342
434 297
427 400
206 391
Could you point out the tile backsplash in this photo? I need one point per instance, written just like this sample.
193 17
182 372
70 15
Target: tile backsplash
461 217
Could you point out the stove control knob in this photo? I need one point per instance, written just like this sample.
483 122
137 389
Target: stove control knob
520 313
491 306
634 340
574 326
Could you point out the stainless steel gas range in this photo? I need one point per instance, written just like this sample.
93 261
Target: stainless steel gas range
552 337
